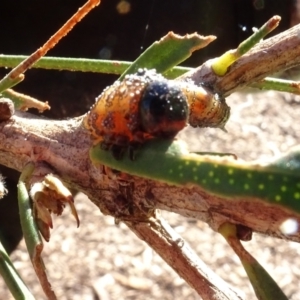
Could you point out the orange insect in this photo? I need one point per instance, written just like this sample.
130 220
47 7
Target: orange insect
142 106
206 108
145 105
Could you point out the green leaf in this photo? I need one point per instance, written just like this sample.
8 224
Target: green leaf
221 64
263 284
168 52
82 65
11 277
8 82
70 64
171 163
28 223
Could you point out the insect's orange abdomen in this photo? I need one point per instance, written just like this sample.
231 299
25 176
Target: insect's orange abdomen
145 105
141 107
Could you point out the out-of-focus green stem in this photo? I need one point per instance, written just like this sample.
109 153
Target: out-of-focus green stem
30 230
275 84
82 65
29 227
12 279
263 284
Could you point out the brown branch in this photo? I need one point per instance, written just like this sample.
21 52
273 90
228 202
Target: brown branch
64 147
272 55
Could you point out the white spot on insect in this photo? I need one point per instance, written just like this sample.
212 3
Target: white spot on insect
289 226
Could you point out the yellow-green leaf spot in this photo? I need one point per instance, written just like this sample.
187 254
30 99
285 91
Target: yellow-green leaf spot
222 63
261 186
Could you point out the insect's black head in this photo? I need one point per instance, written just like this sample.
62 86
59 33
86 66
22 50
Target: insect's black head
163 109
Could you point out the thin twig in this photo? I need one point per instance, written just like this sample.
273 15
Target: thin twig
270 56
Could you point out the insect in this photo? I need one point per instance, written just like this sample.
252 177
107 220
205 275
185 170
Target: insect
146 105
206 108
142 106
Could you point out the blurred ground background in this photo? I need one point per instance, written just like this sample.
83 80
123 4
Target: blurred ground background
101 260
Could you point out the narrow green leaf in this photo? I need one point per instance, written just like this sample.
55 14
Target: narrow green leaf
11 277
7 82
29 226
276 84
263 284
82 65
222 63
168 52
70 64
171 163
